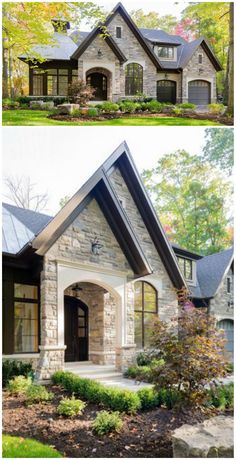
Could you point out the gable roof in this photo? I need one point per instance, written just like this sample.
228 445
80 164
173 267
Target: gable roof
33 220
189 49
62 49
119 9
160 36
15 234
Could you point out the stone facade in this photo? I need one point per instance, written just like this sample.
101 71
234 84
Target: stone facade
196 71
222 305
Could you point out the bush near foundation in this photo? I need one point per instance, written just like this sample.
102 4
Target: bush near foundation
19 385
97 393
36 394
106 422
70 407
221 396
13 368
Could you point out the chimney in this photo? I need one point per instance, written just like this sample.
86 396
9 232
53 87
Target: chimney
60 25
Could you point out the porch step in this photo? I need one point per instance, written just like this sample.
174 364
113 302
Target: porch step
93 371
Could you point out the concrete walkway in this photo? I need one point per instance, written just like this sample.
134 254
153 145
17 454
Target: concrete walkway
105 374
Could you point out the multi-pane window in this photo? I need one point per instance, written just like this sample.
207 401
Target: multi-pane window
37 82
74 75
26 318
186 267
133 79
57 82
118 32
166 52
145 310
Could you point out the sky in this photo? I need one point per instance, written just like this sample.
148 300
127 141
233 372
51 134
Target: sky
60 159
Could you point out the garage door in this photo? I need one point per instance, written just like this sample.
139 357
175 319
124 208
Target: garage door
166 91
228 326
199 92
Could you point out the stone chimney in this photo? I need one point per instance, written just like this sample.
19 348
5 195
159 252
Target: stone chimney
60 25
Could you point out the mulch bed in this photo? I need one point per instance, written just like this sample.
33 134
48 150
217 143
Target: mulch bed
147 434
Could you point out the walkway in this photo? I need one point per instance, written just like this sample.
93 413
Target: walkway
105 374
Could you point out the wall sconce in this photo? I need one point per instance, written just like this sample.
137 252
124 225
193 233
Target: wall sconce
166 76
201 70
96 246
99 54
77 290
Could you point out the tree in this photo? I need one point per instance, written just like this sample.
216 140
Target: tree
219 148
192 198
153 20
80 92
21 191
192 349
230 64
22 29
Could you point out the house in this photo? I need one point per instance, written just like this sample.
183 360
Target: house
88 283
124 63
210 281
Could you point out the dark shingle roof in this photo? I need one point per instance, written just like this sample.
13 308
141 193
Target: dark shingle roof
63 48
20 226
160 36
211 270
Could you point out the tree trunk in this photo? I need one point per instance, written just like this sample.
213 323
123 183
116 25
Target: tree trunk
12 90
230 110
5 90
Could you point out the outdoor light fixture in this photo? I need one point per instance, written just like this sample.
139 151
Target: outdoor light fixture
96 246
99 54
200 70
77 290
166 76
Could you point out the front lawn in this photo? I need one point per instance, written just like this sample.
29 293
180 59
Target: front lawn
39 118
17 447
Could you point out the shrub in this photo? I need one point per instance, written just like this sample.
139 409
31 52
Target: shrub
146 357
187 105
27 99
12 368
71 407
129 106
221 396
169 397
230 368
37 394
10 103
115 399
149 398
19 385
80 93
216 108
142 373
93 112
108 107
106 422
177 111
153 106
76 113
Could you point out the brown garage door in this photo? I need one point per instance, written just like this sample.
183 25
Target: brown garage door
166 91
199 92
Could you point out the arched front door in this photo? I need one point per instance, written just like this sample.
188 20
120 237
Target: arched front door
166 91
98 81
76 329
199 92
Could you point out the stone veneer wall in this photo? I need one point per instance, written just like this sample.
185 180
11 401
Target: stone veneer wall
192 71
219 305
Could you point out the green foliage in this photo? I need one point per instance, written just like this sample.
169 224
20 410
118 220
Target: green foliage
146 357
107 422
216 108
149 398
95 392
70 407
152 20
187 105
8 103
129 106
80 92
193 357
108 107
221 397
177 111
93 112
58 100
230 368
219 148
12 368
19 385
76 113
17 447
36 394
152 106
169 397
192 199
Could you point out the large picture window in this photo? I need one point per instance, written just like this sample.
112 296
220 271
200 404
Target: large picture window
26 318
145 309
57 82
133 79
37 82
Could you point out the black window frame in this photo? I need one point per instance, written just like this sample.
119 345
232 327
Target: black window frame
133 83
118 32
229 283
26 300
200 59
57 75
183 269
142 310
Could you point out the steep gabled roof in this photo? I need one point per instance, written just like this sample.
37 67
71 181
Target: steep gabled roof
100 188
119 9
62 49
190 48
15 234
162 37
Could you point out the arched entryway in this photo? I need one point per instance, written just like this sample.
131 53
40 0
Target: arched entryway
100 79
199 92
76 329
166 91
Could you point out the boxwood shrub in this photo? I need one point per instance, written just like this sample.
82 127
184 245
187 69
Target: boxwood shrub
13 368
95 392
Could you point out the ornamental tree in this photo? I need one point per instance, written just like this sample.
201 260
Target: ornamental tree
80 93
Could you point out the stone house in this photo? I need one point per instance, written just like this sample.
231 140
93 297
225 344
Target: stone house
88 283
125 63
210 281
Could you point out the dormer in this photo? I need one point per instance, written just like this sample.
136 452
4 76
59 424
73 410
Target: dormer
187 262
166 52
60 25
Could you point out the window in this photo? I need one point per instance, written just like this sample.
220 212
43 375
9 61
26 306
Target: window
26 318
133 79
74 75
186 267
228 284
57 82
118 32
145 309
166 52
200 59
37 82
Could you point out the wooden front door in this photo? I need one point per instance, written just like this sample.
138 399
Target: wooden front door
99 82
76 330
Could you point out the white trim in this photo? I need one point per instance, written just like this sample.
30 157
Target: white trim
201 77
52 347
102 353
90 267
22 355
107 65
154 281
223 317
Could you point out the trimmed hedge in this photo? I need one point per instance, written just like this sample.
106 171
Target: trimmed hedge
115 399
13 368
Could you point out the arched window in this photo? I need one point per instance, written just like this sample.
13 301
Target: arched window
145 309
133 79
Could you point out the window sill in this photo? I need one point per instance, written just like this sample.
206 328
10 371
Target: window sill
22 355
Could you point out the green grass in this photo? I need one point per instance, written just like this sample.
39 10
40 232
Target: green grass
16 447
39 118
